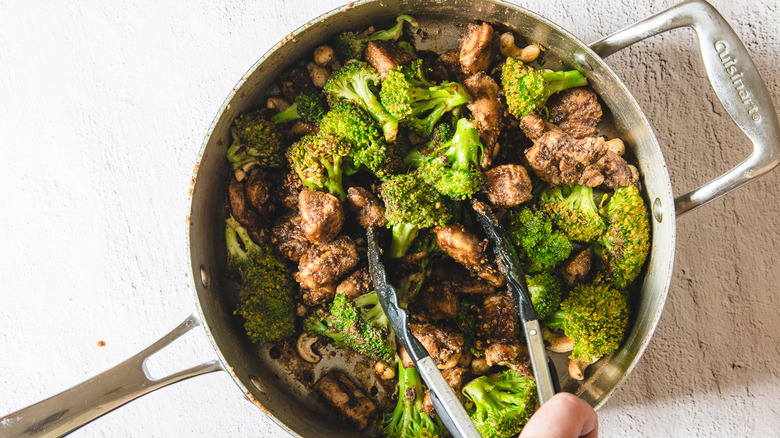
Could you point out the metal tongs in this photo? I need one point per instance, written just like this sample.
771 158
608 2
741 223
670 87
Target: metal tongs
508 264
447 405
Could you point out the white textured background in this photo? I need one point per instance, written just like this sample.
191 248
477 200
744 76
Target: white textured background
103 107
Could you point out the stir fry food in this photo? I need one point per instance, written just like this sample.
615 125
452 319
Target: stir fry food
373 133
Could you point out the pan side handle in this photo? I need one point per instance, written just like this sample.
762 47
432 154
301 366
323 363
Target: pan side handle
735 80
77 406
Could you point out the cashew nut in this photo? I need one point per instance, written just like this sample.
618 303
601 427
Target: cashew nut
634 173
577 368
384 370
304 345
479 366
451 362
557 343
508 48
318 74
617 146
276 103
325 56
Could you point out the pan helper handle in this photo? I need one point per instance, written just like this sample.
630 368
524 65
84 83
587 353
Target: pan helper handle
735 80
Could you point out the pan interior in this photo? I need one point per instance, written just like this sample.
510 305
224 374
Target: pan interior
276 379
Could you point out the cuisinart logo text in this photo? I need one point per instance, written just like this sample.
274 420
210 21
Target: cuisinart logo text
730 64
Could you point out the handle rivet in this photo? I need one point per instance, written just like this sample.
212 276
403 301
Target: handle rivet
532 332
658 211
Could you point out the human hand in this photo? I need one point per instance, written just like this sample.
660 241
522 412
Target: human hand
563 416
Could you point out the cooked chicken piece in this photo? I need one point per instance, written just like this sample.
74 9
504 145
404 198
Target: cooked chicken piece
436 301
406 360
443 342
300 129
319 295
321 215
347 398
288 238
258 193
325 263
576 111
487 111
365 206
469 251
447 67
478 48
576 269
453 276
616 171
454 377
507 185
292 82
356 284
386 55
534 126
243 213
287 192
510 354
498 320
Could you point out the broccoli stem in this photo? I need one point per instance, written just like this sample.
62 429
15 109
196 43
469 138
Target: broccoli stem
333 182
403 236
288 115
561 80
467 148
394 32
238 241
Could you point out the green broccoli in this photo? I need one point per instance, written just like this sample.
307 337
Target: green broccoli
541 247
453 168
626 243
411 204
309 106
350 45
527 90
574 211
546 292
356 82
410 98
318 161
467 320
595 318
353 126
255 139
265 297
408 420
359 325
442 133
501 407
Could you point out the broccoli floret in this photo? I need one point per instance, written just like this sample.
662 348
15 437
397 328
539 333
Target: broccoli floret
265 297
309 106
350 45
442 133
594 317
453 168
408 420
527 90
627 240
255 139
574 211
501 407
355 127
410 98
467 320
318 161
411 204
359 325
355 82
546 291
541 247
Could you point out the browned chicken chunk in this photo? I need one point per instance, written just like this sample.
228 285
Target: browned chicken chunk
487 111
354 404
469 251
454 377
288 190
510 354
366 208
386 55
356 284
288 238
477 48
321 215
325 263
319 295
443 342
447 67
458 280
616 171
507 185
300 129
242 212
576 111
436 301
258 193
576 269
292 82
497 319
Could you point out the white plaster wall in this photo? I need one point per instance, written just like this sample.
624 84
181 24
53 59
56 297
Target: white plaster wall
103 107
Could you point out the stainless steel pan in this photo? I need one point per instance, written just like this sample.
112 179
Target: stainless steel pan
264 380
